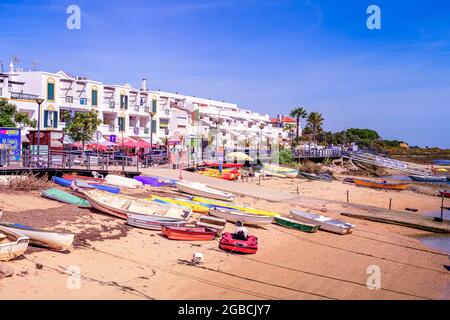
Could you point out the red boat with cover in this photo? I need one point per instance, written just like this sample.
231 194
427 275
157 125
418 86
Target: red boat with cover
188 233
84 178
236 243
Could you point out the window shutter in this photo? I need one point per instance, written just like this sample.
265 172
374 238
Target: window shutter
154 105
94 97
50 91
45 119
154 126
55 119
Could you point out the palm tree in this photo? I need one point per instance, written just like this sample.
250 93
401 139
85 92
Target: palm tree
289 128
315 121
298 113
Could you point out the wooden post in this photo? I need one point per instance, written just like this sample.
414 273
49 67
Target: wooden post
298 192
390 203
348 197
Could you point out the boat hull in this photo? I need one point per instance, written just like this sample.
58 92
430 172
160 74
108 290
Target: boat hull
152 223
445 193
316 177
218 204
292 224
228 243
235 216
203 191
428 179
188 233
14 246
58 241
381 185
61 196
326 224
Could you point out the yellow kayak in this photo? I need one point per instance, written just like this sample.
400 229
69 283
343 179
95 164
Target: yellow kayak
194 206
236 206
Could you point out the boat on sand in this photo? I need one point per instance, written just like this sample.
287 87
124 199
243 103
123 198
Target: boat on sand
445 193
202 190
232 242
317 177
236 215
295 224
65 197
59 241
151 222
381 184
12 244
119 181
211 223
188 233
326 223
429 178
121 206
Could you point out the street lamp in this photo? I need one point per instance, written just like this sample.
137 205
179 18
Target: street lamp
152 114
39 101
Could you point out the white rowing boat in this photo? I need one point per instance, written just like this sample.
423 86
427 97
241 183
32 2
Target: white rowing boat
326 223
202 190
123 182
236 215
121 206
213 223
12 244
60 241
152 222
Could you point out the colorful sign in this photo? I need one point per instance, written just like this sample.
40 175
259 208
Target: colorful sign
113 138
13 140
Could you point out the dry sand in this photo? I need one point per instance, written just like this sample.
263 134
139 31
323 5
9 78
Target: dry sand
120 262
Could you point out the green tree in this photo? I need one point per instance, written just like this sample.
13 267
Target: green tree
315 122
298 113
82 126
289 128
11 118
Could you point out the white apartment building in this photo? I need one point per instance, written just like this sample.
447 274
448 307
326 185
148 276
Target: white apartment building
123 108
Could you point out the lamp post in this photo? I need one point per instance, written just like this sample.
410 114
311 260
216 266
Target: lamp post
261 126
152 114
39 101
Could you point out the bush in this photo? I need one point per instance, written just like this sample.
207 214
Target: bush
309 167
285 156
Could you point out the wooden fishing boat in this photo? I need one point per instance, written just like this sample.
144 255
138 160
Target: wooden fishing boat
319 177
381 184
212 223
224 165
227 205
233 243
429 178
236 215
226 175
12 244
152 222
295 224
59 241
84 178
122 181
188 233
200 189
121 206
196 207
65 197
445 193
279 169
326 223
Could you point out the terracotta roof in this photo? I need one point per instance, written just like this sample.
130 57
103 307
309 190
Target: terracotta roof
284 119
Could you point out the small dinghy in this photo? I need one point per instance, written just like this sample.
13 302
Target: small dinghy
213 223
122 181
61 196
445 193
12 244
59 241
429 178
188 233
121 206
233 242
381 184
84 178
226 205
156 181
318 177
200 189
62 182
294 224
152 222
326 223
181 202
236 215
78 185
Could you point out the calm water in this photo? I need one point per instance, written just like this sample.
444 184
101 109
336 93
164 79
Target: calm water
439 242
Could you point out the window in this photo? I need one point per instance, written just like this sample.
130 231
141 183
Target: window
50 91
69 99
121 124
153 126
153 105
123 101
50 119
94 97
163 123
83 101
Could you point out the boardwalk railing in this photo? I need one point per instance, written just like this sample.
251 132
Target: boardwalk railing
317 153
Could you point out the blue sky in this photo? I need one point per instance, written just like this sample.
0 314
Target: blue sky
266 55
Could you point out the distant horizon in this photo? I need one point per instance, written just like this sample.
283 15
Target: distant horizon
266 56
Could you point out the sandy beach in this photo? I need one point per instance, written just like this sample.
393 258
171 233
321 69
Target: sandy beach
120 262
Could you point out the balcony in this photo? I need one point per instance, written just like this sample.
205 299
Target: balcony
69 99
136 108
112 105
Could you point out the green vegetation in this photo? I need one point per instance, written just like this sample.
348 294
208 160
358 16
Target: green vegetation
298 113
285 156
11 118
82 126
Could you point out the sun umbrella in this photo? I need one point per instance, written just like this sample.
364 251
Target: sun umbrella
239 156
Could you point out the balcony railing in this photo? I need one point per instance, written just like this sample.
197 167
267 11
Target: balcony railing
112 105
69 99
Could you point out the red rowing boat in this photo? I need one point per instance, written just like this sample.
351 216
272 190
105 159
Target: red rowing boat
445 193
188 233
231 242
